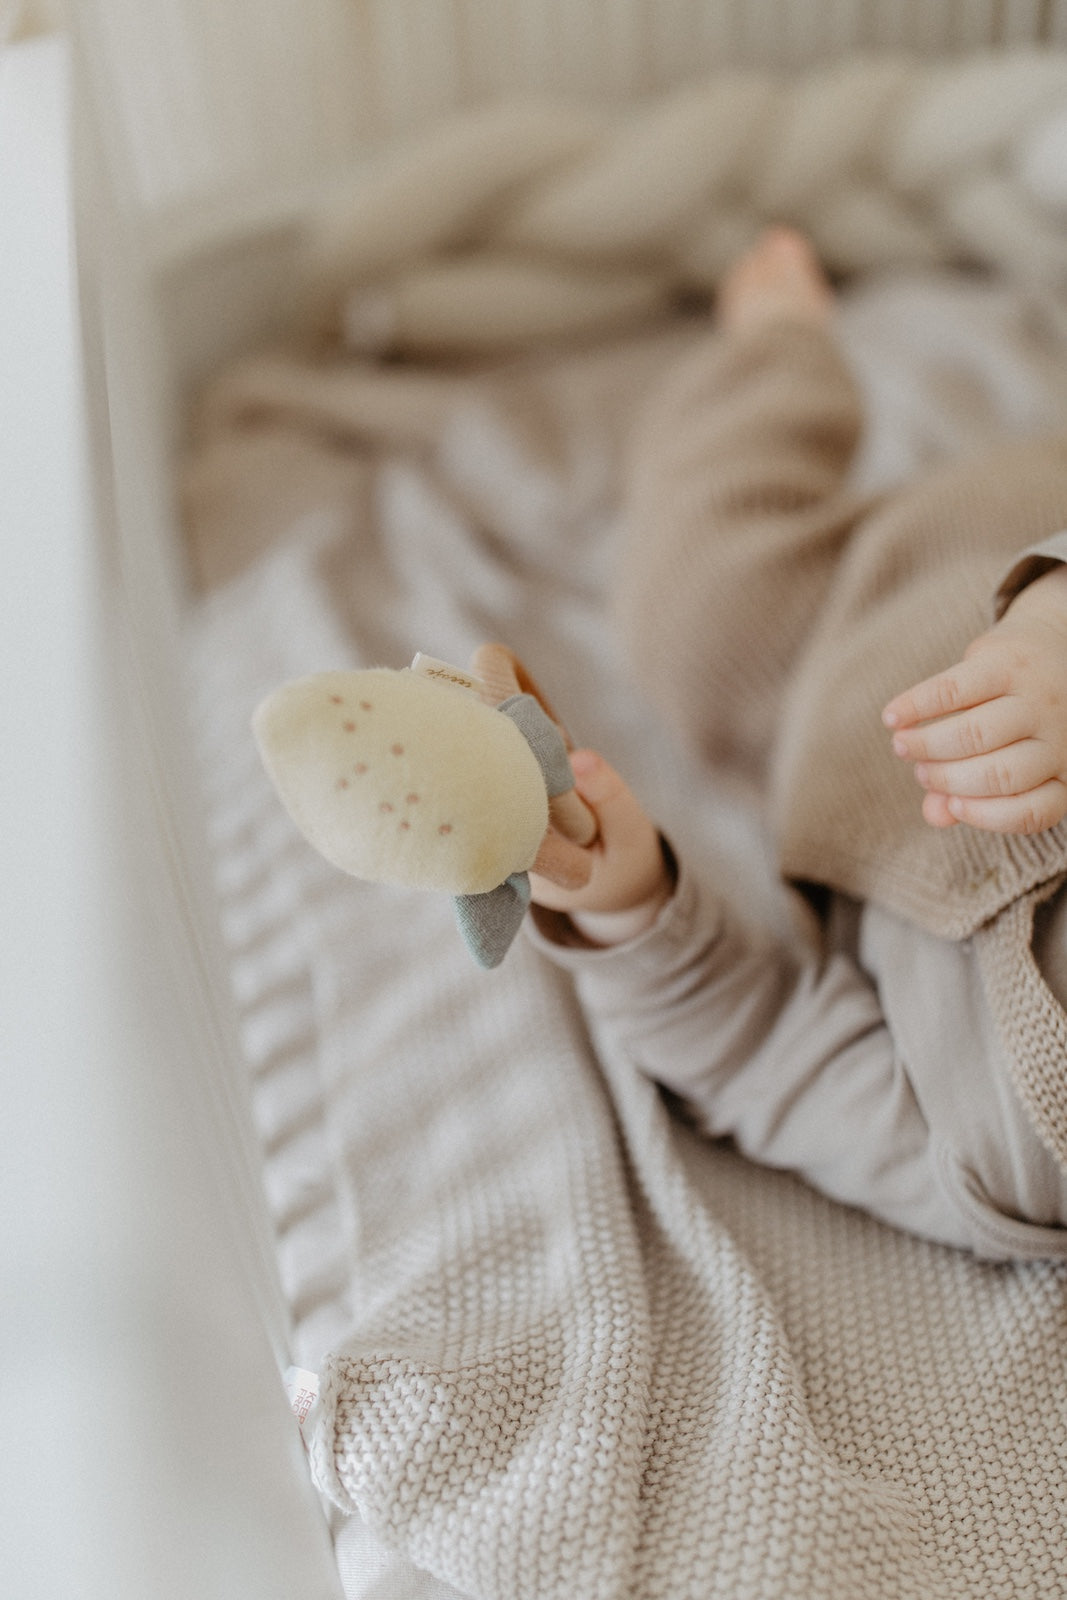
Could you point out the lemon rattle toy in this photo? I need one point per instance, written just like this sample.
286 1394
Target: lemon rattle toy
433 777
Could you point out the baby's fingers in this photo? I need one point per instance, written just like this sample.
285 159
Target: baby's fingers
625 861
978 732
936 811
1016 769
1021 813
969 683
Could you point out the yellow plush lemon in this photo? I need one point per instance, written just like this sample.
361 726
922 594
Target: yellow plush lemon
401 779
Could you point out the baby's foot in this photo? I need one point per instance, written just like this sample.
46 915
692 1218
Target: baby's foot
779 277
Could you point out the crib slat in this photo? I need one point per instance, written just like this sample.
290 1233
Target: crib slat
1020 22
204 97
975 25
887 26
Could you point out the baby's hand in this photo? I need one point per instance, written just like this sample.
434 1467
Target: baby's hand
630 880
989 736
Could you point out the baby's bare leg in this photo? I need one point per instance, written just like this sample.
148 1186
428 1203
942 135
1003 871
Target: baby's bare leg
779 277
736 508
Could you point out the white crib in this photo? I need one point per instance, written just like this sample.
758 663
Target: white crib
154 165
128 1166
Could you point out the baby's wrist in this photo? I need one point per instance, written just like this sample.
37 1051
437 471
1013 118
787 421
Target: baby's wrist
608 928
1046 593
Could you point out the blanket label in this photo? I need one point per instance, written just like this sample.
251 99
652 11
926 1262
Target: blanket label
302 1387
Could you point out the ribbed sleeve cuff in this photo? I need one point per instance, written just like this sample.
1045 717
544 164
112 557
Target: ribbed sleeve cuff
691 915
1033 563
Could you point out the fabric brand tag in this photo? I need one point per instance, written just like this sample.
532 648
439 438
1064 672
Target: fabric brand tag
443 672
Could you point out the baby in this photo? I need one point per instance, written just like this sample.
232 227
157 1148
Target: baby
906 1051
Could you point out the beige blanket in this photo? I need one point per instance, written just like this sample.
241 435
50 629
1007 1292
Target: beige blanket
567 1349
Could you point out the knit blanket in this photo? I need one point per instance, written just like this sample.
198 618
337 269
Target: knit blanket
568 1349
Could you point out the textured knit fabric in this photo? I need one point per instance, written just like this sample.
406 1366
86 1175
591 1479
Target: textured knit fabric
570 1349
772 613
